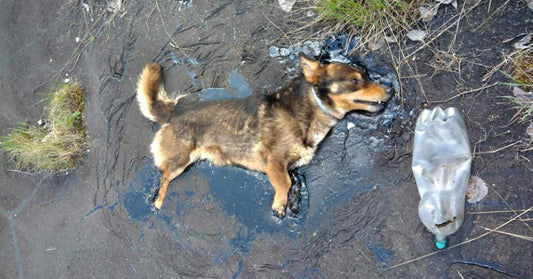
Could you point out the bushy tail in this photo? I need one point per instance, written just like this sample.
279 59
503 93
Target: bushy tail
151 95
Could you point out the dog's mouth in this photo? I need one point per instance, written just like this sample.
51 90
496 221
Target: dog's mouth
374 105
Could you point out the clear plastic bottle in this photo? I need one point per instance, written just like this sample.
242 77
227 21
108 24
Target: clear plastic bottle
441 167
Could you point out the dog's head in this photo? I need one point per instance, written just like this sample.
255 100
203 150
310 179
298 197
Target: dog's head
344 88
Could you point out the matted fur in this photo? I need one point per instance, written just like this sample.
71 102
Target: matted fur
151 95
270 134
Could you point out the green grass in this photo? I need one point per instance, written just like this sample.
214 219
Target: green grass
524 109
360 13
370 14
58 145
522 77
372 20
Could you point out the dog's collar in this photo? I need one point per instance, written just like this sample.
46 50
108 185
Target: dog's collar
321 104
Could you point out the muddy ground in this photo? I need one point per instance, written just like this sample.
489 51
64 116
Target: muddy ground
359 217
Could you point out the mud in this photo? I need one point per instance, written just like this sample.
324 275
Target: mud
358 209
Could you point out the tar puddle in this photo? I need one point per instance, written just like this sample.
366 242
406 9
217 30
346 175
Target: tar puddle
337 173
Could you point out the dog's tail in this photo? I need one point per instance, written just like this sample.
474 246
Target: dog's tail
152 97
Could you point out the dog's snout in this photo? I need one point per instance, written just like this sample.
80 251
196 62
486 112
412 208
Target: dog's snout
386 83
388 86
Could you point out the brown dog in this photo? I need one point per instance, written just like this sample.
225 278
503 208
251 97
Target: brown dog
270 134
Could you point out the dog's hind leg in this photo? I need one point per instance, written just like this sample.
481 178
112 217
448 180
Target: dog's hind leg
167 176
171 155
278 175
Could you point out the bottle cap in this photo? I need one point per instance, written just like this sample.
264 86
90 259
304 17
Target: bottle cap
440 244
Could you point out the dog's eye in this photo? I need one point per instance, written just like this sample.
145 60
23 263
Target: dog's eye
356 81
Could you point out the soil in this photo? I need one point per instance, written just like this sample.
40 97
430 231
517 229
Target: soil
358 217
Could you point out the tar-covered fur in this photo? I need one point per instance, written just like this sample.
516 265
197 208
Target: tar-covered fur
269 134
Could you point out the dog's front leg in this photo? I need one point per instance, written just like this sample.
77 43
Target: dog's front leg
278 175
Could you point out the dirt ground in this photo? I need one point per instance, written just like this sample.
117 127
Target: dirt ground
359 217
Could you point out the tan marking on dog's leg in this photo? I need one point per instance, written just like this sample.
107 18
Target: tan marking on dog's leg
171 155
281 182
165 180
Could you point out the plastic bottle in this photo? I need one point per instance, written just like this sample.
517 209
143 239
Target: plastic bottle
441 167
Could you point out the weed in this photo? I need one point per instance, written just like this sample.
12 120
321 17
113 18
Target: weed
60 143
372 19
523 68
522 76
360 13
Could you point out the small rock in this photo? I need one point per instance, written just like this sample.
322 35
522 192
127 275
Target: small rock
389 39
376 44
445 2
523 43
428 13
286 5
529 130
477 190
86 6
417 35
114 6
526 97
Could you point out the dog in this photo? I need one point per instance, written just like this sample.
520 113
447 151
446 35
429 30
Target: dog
271 134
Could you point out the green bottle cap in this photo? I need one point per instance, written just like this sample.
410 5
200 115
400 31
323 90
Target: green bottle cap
440 244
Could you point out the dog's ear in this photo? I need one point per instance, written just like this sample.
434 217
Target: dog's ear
312 69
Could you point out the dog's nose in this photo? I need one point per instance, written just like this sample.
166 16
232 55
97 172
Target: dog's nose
389 90
386 83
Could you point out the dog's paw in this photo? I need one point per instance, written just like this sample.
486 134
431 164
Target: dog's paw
158 203
278 214
278 207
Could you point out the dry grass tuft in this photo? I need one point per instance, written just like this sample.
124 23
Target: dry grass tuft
57 145
522 76
523 68
377 21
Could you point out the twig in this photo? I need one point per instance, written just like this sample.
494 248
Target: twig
284 34
506 203
499 149
496 68
466 92
174 44
500 7
361 251
454 39
23 172
462 243
495 212
459 17
76 54
524 237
